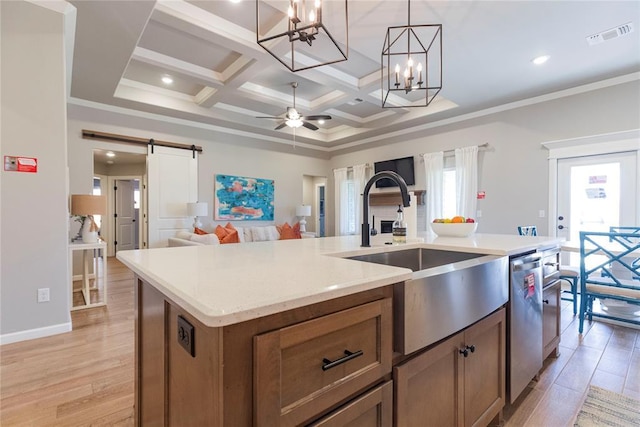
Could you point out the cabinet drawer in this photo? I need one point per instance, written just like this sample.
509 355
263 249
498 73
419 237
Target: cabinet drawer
373 409
305 369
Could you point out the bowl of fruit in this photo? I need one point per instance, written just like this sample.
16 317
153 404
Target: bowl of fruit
458 226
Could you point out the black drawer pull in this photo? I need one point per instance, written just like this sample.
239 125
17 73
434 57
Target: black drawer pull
328 364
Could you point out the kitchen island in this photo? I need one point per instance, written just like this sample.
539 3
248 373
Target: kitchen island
232 334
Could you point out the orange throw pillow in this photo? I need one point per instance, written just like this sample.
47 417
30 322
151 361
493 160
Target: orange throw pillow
227 234
199 231
287 232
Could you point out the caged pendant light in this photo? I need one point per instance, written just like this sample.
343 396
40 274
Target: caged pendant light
303 34
412 59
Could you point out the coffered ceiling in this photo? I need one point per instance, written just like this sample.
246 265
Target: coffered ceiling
222 79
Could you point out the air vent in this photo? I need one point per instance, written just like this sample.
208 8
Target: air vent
355 101
612 33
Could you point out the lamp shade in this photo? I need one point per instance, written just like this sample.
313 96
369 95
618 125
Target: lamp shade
88 204
197 209
303 210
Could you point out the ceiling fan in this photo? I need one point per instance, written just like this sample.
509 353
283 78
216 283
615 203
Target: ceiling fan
292 117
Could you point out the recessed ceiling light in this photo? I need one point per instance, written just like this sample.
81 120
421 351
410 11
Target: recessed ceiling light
111 154
167 80
321 121
235 1
540 59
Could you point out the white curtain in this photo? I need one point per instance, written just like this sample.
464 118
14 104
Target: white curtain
341 201
466 181
433 169
359 180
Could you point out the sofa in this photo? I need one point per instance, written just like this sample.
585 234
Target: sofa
245 235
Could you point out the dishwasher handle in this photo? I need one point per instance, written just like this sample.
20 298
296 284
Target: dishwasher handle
531 262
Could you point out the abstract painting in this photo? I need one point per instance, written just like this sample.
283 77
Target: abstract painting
242 198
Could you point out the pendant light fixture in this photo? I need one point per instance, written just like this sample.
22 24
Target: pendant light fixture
412 61
303 34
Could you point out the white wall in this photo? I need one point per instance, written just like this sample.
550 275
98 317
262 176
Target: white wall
34 205
514 170
222 154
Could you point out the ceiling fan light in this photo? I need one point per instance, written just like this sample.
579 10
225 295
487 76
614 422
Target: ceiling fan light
294 123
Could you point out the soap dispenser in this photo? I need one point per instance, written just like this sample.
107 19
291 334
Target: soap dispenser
399 228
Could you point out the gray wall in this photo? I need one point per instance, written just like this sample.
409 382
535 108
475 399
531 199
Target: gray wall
222 154
34 205
514 170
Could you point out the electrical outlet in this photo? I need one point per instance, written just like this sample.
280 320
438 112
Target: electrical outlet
186 336
43 295
541 213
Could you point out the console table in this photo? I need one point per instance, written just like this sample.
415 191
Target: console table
95 253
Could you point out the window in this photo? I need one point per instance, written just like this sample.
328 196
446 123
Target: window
449 193
97 191
352 215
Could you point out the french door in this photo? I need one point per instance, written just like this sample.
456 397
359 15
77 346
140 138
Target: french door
595 193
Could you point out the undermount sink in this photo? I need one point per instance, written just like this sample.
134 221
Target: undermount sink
448 291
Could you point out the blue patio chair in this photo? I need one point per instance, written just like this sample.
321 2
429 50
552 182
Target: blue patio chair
567 273
627 229
606 273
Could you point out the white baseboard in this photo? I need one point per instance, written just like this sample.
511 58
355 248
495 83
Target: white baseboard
35 333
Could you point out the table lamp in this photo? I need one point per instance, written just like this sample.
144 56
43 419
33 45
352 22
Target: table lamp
195 210
303 211
87 205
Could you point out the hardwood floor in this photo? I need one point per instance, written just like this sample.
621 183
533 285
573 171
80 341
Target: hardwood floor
606 356
85 377
80 378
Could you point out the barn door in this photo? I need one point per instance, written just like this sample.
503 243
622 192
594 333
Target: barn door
172 182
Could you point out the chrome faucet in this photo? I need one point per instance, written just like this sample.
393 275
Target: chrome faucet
366 240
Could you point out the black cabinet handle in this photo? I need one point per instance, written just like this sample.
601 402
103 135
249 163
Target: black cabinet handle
561 227
328 364
546 301
464 352
471 348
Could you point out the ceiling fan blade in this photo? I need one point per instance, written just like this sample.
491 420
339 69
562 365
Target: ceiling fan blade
310 126
317 117
280 126
267 117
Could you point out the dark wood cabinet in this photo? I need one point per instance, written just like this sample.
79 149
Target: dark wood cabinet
266 371
551 319
304 369
372 409
458 382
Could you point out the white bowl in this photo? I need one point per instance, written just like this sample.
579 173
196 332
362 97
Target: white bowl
460 229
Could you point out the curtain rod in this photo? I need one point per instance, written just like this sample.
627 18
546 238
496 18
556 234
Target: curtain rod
367 165
448 153
485 145
104 136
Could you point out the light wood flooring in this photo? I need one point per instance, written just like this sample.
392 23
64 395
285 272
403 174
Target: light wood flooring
85 377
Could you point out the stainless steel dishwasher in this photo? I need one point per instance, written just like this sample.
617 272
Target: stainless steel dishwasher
525 322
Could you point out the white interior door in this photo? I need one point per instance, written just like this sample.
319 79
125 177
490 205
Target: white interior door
125 215
172 176
595 193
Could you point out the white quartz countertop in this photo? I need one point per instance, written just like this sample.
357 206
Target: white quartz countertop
226 284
